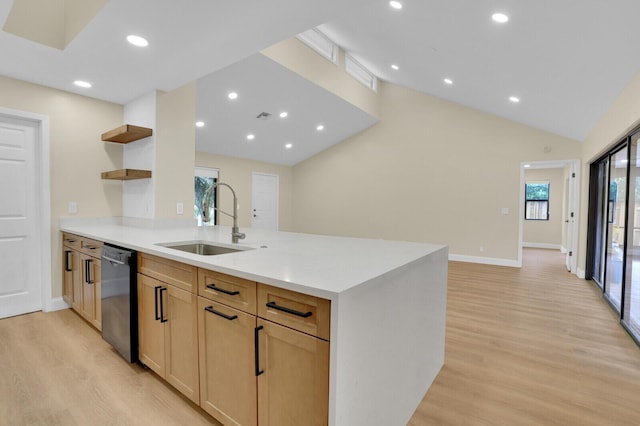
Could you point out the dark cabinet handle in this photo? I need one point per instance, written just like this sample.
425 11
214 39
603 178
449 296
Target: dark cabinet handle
222 290
87 271
66 261
289 310
158 287
256 336
162 319
220 314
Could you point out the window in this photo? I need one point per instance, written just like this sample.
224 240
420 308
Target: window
315 39
356 70
204 177
536 201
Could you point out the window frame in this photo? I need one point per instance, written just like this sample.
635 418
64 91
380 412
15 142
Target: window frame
540 200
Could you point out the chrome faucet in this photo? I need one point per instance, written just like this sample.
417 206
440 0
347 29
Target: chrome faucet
235 232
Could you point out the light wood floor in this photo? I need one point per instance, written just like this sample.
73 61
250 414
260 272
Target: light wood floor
530 346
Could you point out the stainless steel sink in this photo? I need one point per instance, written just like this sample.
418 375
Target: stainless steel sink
203 249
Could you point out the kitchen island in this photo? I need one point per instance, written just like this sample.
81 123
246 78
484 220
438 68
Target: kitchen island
388 303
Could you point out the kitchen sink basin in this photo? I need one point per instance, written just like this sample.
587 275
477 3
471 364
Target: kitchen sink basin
204 249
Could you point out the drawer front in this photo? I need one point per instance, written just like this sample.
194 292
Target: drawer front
91 247
169 271
308 314
232 291
71 241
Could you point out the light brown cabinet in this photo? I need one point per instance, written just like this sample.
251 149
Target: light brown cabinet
71 276
227 363
292 336
81 277
264 353
293 388
167 323
91 305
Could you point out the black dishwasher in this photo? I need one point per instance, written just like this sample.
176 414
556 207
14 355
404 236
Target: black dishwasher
119 300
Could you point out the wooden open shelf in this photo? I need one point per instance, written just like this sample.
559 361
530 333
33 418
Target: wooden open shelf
126 133
126 174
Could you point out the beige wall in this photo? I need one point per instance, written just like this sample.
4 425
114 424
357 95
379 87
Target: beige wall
237 173
547 232
78 156
297 57
431 171
175 151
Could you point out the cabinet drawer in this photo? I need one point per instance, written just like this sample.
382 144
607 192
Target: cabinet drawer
72 241
309 314
233 291
91 247
179 274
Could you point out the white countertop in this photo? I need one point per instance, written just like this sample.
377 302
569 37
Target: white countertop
322 266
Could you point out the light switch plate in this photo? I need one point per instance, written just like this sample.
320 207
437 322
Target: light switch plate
73 207
505 210
179 208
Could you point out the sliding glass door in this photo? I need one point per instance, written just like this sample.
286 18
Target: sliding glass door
631 304
599 195
616 227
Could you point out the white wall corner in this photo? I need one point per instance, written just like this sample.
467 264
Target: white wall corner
56 304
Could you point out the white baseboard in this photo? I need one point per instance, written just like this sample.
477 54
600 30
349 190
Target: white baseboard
580 273
485 260
563 250
543 246
57 304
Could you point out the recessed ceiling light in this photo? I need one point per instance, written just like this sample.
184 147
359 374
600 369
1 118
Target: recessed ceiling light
284 114
514 99
501 18
232 95
288 146
81 83
395 67
137 40
448 81
251 136
199 123
320 128
395 4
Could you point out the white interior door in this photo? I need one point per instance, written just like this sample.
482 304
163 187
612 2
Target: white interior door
264 197
20 285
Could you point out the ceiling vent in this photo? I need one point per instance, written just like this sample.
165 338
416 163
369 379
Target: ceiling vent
263 115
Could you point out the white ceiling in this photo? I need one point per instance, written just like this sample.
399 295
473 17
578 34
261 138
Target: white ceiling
187 40
263 85
566 60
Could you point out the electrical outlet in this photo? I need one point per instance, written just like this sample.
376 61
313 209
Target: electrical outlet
505 210
73 207
179 208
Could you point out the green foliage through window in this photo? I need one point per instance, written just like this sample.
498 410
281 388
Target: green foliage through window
536 201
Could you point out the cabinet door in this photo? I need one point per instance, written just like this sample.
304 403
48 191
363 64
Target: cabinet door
151 345
91 302
293 390
181 346
88 308
227 363
71 278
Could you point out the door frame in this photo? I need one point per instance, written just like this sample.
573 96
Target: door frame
573 204
43 221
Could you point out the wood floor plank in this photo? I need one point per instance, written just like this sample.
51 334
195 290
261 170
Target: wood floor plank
531 346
